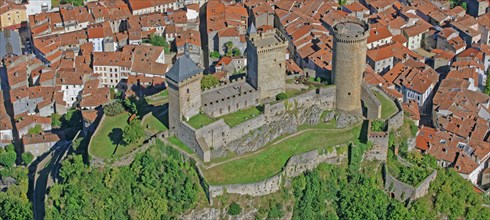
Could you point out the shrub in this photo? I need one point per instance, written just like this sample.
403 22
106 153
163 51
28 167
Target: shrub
234 209
55 120
27 157
281 96
209 81
215 55
377 125
113 109
8 156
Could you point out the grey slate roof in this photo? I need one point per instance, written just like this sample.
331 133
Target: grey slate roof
9 43
182 69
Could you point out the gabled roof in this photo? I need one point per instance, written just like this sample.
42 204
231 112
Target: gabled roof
182 69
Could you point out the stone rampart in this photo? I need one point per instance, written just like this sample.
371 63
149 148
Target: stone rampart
371 103
405 192
277 119
396 121
379 151
264 187
298 164
295 166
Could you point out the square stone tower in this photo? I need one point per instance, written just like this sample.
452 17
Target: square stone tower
266 61
184 91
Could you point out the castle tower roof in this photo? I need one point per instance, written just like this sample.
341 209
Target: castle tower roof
182 69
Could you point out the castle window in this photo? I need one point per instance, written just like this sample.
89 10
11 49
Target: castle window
188 91
348 93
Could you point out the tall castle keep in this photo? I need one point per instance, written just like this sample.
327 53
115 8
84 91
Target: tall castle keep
184 91
266 57
349 58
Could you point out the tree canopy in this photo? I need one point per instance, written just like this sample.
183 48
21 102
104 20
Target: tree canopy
133 132
209 81
157 185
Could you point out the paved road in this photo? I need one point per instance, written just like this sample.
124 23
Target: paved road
46 172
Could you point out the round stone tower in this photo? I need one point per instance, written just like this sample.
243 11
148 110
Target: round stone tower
349 59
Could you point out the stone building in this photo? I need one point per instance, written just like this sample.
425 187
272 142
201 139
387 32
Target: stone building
349 58
266 57
184 90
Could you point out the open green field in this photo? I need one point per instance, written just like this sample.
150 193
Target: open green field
241 116
153 124
103 146
199 121
388 107
273 157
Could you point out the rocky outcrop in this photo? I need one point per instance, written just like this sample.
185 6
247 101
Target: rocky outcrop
346 120
260 137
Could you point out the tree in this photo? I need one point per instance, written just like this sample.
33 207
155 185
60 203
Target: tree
158 175
214 55
234 209
133 132
8 156
229 48
159 41
275 211
236 52
281 96
113 108
131 104
209 81
27 157
55 120
37 129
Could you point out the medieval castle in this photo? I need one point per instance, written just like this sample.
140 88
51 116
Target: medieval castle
265 78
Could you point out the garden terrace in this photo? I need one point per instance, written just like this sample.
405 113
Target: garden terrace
106 141
199 121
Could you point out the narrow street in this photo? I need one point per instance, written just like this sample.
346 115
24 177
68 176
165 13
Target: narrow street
46 172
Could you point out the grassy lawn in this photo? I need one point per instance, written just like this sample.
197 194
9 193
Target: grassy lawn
238 117
388 107
153 124
179 144
102 146
199 121
272 159
293 92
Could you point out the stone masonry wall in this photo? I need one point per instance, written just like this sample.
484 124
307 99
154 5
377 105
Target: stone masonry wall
295 166
402 191
264 187
298 164
371 102
278 119
379 151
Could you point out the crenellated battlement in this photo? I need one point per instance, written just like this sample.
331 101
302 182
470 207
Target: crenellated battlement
351 30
